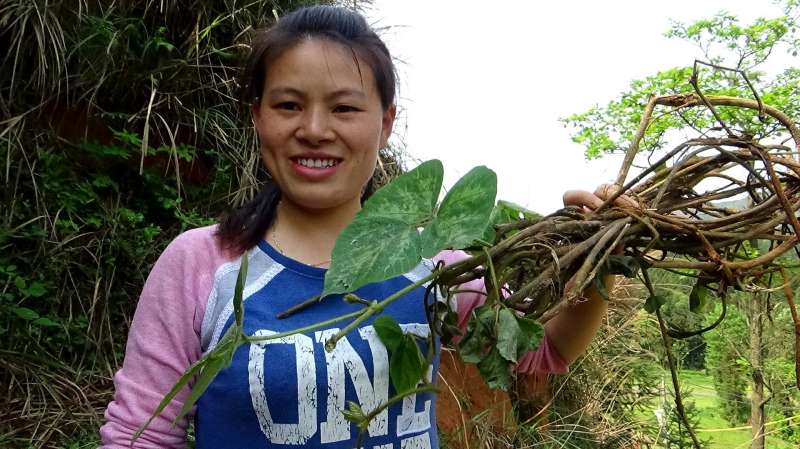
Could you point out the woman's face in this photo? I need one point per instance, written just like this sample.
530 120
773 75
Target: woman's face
320 122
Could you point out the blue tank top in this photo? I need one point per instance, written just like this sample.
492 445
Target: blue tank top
289 392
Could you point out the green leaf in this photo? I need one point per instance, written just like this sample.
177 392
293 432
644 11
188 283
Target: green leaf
478 336
653 303
410 198
187 376
36 289
700 297
532 334
355 414
371 250
495 370
509 335
25 313
505 212
218 359
238 291
495 218
471 347
406 365
45 322
103 181
204 379
207 368
516 335
389 332
382 241
464 214
516 212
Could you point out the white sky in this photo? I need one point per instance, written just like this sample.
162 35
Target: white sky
485 83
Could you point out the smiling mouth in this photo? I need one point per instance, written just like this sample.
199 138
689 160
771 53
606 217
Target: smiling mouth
316 163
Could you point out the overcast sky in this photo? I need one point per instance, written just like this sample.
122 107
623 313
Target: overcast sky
485 83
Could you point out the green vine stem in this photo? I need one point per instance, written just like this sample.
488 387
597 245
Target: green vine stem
363 423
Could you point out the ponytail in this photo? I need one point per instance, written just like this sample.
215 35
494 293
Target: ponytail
242 228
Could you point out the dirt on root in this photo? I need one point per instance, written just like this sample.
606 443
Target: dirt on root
468 412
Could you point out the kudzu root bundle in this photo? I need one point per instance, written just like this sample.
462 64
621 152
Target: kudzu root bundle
702 209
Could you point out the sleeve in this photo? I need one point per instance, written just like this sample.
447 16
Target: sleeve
545 359
164 339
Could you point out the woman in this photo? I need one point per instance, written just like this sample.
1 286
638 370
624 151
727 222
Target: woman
321 85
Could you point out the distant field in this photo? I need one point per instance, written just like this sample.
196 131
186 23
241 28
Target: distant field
705 399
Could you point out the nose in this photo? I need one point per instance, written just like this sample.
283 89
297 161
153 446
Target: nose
315 127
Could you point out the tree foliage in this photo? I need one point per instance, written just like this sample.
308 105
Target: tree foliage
725 41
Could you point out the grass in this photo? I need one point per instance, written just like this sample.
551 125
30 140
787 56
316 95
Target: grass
701 391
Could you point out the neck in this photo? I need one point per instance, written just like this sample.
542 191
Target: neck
308 235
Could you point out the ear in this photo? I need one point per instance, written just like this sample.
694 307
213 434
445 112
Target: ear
387 122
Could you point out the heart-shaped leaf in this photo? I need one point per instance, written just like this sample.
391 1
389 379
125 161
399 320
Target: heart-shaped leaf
382 241
410 198
464 214
371 250
516 335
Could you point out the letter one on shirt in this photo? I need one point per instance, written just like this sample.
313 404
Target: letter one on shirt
342 361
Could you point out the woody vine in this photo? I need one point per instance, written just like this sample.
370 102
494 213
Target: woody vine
526 261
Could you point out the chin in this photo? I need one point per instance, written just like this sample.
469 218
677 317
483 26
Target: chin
319 202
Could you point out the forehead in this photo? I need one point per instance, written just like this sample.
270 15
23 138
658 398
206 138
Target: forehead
320 65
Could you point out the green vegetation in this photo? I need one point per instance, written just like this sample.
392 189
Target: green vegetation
119 129
712 423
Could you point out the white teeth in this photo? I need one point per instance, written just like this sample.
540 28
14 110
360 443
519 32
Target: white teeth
316 163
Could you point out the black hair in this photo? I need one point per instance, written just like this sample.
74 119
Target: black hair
242 228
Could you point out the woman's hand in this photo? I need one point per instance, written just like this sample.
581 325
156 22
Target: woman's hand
572 330
591 201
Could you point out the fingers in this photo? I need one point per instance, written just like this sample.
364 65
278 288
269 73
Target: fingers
582 198
606 191
594 200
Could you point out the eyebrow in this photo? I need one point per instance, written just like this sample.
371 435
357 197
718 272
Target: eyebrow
333 95
347 92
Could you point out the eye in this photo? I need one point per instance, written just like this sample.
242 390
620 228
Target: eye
345 108
287 106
